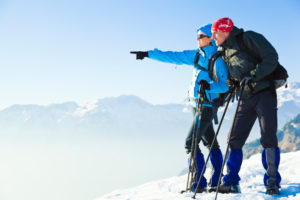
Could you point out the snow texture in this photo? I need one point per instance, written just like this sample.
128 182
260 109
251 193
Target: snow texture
251 184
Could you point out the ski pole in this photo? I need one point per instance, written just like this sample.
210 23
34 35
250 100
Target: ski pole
212 144
191 153
194 154
199 108
194 143
229 136
190 166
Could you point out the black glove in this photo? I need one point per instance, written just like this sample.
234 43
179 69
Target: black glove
232 84
140 55
204 85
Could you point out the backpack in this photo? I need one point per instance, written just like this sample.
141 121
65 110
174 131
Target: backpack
278 77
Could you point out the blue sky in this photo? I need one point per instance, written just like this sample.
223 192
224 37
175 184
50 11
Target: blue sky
56 51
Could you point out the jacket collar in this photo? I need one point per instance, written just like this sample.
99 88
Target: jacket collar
210 49
230 41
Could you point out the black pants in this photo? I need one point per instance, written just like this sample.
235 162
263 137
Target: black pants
262 106
205 130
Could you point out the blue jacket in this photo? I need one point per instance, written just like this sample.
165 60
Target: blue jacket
187 57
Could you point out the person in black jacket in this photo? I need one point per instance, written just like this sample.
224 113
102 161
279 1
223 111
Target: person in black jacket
258 101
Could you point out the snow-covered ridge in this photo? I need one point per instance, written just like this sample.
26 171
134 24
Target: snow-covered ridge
112 116
296 125
127 112
252 187
291 93
86 108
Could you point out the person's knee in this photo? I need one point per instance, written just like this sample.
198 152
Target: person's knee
187 147
269 142
236 145
213 147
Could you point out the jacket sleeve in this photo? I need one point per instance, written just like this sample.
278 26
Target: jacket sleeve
179 58
221 73
262 47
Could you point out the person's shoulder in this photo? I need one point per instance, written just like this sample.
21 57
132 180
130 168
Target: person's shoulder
251 34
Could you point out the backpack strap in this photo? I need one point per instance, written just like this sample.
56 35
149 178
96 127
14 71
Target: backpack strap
197 57
211 64
210 69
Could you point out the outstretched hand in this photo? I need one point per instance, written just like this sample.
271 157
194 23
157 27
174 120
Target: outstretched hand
140 55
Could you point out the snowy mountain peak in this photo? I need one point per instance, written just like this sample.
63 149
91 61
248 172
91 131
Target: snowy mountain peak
123 101
85 108
291 93
126 112
296 125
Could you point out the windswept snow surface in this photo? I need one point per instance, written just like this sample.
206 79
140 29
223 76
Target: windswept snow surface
251 184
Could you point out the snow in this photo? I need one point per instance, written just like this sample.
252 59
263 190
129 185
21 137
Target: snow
297 126
251 184
291 93
85 108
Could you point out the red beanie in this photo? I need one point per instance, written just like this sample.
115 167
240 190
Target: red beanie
224 25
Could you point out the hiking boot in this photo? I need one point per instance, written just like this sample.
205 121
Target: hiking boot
212 189
199 190
229 188
273 190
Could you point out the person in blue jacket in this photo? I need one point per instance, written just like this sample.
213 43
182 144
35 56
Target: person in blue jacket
212 85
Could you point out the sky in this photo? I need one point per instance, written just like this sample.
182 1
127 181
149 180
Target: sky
62 50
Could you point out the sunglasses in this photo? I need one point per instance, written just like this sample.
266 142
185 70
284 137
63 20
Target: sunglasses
202 36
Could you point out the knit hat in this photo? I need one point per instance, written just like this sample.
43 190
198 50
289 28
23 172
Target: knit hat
224 25
206 29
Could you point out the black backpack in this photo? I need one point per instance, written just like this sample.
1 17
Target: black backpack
278 77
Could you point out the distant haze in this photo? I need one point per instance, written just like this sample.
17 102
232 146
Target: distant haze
79 152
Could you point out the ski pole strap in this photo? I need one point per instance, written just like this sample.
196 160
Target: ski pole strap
211 64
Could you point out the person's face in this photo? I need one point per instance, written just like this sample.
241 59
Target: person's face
203 40
219 37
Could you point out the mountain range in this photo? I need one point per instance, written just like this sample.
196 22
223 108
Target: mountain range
125 116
